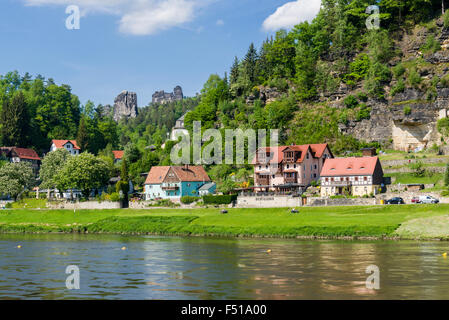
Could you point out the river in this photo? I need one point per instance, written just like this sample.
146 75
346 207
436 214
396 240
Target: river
205 268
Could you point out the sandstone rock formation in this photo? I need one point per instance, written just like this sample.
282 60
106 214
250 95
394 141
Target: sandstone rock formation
125 106
166 97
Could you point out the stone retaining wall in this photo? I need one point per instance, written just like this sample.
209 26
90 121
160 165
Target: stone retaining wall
322 202
269 202
88 205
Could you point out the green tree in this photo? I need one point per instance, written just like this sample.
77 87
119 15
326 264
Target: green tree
14 120
52 163
84 172
15 178
82 138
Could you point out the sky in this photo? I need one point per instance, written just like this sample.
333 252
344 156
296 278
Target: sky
137 45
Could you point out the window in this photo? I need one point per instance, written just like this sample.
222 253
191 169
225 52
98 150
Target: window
356 178
294 166
288 166
365 178
260 167
307 156
314 175
315 167
274 176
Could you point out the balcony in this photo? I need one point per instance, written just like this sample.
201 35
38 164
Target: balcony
262 182
169 187
291 180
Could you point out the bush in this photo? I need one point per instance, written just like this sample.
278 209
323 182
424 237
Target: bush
188 199
414 78
407 110
114 197
446 19
399 87
363 113
445 81
398 70
418 169
351 102
362 96
225 199
432 45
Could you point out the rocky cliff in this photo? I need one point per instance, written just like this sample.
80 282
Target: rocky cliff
407 120
166 97
125 106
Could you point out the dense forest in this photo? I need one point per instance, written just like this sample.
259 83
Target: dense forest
301 68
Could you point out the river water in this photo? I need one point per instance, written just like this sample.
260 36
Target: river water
204 268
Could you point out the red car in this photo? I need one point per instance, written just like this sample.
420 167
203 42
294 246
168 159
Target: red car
415 200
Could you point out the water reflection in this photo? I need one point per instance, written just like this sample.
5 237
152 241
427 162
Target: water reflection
199 268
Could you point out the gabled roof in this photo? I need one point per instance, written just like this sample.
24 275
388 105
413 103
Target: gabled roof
317 151
29 154
349 166
118 155
22 153
190 174
157 175
61 143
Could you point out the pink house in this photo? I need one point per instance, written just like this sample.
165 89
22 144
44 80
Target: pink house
289 168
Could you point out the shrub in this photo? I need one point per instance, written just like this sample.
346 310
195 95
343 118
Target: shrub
446 19
398 70
407 110
225 199
122 186
114 197
432 45
399 87
351 102
362 96
363 113
188 199
418 169
414 78
445 81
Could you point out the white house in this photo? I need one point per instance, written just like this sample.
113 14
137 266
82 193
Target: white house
69 145
179 129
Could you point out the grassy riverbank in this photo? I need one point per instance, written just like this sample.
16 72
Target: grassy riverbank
375 221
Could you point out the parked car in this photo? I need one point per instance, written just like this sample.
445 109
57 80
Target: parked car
428 200
415 200
396 200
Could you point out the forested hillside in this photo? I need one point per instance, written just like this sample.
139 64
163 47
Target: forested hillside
331 80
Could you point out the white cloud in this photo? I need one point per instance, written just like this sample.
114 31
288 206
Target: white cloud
137 17
220 22
291 14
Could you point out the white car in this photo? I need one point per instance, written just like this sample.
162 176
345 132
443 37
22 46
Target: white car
428 200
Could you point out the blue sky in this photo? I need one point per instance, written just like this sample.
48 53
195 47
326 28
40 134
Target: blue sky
137 45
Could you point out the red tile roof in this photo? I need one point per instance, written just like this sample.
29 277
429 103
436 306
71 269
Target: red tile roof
349 166
118 154
29 154
316 149
157 175
191 174
61 143
22 153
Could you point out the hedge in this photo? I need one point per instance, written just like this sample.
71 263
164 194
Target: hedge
188 199
225 199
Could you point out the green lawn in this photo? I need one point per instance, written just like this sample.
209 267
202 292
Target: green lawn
408 178
374 221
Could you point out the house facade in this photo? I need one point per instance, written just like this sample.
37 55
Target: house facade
69 145
175 182
178 129
289 168
15 155
354 176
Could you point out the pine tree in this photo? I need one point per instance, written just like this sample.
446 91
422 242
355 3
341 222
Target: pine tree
14 120
250 64
82 137
234 71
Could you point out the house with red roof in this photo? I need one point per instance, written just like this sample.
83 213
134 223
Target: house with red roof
174 182
15 155
355 176
289 168
118 155
69 145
